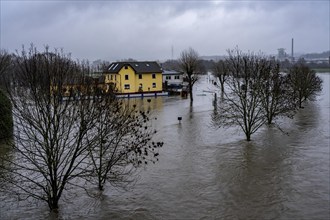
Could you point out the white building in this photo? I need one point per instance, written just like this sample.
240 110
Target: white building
172 80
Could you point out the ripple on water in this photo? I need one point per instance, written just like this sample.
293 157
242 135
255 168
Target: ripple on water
204 173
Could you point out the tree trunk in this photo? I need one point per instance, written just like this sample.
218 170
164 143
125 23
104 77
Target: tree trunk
269 119
269 122
300 102
100 187
53 203
222 88
101 182
222 83
248 137
191 92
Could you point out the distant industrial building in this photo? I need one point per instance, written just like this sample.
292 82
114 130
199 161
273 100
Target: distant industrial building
281 54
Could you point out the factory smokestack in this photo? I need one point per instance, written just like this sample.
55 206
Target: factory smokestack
292 57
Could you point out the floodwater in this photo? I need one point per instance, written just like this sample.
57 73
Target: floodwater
204 173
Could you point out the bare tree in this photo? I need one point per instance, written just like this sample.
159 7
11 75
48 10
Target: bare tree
122 141
49 133
242 104
189 63
6 67
220 69
304 82
5 62
274 91
258 92
61 125
6 121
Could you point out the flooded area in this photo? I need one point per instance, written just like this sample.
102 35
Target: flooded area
208 173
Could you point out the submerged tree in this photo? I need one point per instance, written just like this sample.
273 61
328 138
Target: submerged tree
304 83
6 121
57 114
6 118
242 104
189 63
121 141
274 91
49 134
258 92
220 69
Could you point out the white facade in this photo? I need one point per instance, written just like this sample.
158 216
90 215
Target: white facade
172 78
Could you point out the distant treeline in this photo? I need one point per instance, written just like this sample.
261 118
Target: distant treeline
207 65
325 54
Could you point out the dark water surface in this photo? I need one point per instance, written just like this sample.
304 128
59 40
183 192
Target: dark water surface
205 173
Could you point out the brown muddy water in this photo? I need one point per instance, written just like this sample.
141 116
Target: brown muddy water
205 173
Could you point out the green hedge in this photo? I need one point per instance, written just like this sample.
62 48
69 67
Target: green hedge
6 118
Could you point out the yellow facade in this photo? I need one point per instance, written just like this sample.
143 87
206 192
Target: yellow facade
128 81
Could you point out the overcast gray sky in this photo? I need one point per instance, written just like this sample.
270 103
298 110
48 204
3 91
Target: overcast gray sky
147 30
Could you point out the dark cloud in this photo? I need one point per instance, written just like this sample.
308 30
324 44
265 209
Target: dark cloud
148 29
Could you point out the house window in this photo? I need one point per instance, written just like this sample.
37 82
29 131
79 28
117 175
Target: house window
154 76
168 77
126 86
153 85
140 76
176 77
126 77
111 77
126 67
115 77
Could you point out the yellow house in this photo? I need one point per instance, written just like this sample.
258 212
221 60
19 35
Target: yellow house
134 77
